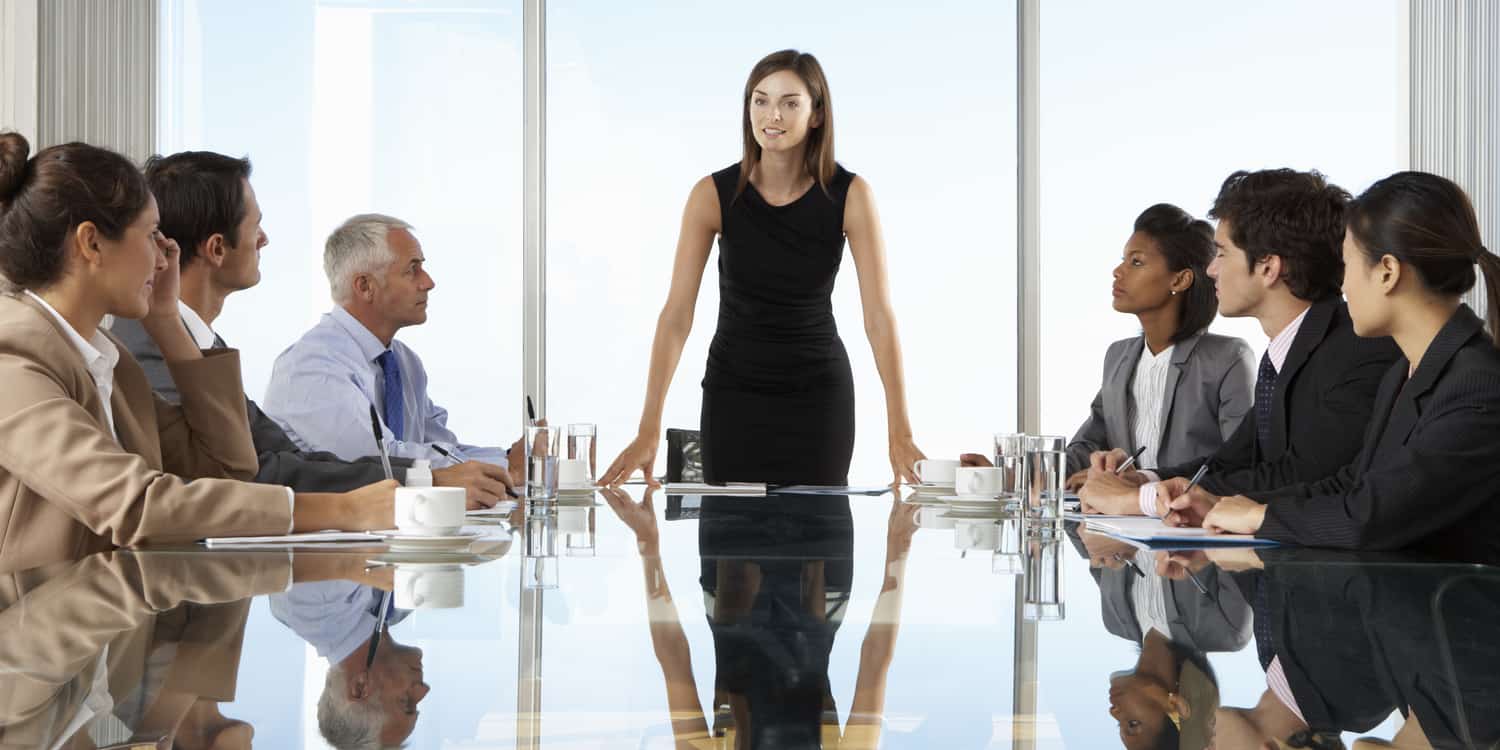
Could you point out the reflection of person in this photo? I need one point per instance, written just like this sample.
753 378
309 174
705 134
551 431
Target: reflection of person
1278 240
1175 391
778 394
1428 468
88 457
126 645
322 386
1169 698
360 707
1346 640
209 209
775 587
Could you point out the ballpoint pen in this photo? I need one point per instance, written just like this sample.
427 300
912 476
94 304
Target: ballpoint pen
385 458
385 605
1130 461
1197 476
530 410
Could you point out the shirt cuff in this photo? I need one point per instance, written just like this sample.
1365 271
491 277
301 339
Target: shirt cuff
1147 499
291 509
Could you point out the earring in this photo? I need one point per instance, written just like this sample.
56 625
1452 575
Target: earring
1174 292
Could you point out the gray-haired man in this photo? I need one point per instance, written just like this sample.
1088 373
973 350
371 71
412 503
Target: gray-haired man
323 386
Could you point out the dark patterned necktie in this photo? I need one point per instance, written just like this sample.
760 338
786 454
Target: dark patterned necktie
1265 394
395 413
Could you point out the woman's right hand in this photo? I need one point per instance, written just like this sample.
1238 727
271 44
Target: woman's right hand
640 454
372 507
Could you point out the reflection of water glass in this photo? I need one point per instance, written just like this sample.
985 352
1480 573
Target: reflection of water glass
1010 456
542 444
1044 581
1042 482
539 573
577 527
1008 556
581 444
541 533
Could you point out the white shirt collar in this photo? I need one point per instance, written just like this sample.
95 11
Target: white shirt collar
1152 359
202 334
100 354
1281 343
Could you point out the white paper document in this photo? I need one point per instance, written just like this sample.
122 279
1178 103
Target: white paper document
286 540
1154 531
821 489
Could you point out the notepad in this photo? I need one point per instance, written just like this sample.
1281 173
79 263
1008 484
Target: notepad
288 540
751 489
1153 531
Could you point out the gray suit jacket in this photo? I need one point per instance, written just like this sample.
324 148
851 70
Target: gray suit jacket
280 460
1219 620
1209 390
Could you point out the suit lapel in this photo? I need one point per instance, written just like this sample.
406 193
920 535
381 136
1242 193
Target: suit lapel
1312 332
1117 396
1180 354
1404 414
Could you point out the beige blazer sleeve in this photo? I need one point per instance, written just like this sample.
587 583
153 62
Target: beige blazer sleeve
68 488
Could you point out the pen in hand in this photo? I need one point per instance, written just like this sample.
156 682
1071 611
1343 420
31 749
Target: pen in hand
1130 461
1197 477
385 458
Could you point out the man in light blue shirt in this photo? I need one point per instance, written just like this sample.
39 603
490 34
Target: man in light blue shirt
322 386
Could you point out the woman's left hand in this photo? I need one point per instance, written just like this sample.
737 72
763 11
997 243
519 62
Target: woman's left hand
904 457
1235 515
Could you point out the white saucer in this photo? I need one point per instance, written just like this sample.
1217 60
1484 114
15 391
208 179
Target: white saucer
972 499
408 540
932 489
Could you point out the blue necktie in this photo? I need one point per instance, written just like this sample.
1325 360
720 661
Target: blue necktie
395 413
1265 394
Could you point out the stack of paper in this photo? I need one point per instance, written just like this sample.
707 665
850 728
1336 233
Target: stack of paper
821 489
286 540
751 489
1153 531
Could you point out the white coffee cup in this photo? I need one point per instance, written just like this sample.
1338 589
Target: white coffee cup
430 510
982 535
429 586
933 517
573 474
935 470
978 481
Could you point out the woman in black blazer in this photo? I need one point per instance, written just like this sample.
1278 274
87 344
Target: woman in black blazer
1429 471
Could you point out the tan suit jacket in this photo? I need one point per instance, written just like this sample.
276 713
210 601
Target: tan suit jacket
68 488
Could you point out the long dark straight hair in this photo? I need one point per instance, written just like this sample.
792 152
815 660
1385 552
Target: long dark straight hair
1427 222
818 157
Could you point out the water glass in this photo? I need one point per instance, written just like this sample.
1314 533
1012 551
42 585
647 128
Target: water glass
1010 456
582 444
1044 580
542 444
1042 483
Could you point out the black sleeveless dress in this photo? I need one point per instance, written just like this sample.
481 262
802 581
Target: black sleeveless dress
778 395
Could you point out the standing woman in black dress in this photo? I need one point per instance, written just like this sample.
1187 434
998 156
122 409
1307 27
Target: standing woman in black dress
778 395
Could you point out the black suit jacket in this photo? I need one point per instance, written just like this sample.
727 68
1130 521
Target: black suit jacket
1429 470
1324 395
281 462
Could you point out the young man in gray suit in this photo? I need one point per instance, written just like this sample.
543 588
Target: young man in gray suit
209 208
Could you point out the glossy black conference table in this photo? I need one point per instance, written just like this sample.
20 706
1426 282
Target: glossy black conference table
635 621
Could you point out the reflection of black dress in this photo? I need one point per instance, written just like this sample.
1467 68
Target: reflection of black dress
778 395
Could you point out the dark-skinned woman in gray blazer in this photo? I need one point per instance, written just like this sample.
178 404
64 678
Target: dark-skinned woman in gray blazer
1175 390
1426 476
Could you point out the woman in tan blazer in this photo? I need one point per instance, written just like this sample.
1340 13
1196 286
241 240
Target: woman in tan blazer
89 457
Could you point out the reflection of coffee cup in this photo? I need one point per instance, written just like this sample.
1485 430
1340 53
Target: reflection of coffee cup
573 520
935 470
429 586
981 535
978 481
933 517
573 474
430 510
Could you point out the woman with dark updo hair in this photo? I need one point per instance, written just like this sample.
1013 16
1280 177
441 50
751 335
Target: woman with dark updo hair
1426 476
89 458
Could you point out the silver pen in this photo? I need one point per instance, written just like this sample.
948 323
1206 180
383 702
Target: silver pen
385 458
1196 477
1129 462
